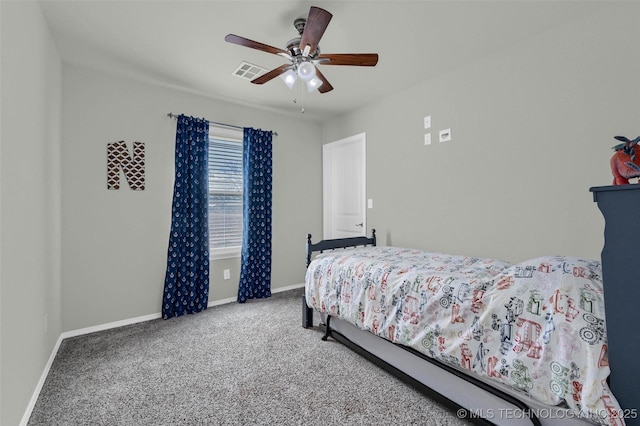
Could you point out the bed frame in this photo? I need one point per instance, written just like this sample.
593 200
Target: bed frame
337 243
474 399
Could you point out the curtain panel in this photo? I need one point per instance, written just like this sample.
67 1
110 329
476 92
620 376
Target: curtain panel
255 272
186 287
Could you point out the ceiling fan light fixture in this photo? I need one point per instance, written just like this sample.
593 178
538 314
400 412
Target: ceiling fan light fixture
313 84
306 71
303 53
289 78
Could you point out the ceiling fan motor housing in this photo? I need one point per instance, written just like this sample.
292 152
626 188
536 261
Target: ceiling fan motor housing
299 25
293 47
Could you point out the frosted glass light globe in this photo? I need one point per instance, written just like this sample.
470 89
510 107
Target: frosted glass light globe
313 84
306 71
289 78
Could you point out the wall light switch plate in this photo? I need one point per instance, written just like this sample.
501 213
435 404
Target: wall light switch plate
445 135
370 203
427 122
427 138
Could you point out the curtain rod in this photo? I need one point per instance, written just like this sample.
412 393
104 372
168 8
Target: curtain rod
172 115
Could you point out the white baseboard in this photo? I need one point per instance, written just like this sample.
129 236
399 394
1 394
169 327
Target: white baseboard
107 326
234 299
221 301
287 288
158 315
43 377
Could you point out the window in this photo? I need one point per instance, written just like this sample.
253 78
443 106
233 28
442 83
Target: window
225 192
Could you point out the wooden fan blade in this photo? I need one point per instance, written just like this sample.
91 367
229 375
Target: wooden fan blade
325 86
232 38
314 28
355 59
271 74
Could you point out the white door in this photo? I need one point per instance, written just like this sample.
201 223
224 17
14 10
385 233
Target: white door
344 187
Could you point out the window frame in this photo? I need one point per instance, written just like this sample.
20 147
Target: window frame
226 134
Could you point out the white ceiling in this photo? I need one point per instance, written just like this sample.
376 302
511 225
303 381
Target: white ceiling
181 43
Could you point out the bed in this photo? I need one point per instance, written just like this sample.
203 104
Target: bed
500 343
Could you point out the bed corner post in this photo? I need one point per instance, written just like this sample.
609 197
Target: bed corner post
308 249
307 312
373 236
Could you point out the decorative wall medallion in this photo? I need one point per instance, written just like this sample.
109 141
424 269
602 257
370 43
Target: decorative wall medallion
118 158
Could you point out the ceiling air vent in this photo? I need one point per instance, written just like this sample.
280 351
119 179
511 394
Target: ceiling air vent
248 71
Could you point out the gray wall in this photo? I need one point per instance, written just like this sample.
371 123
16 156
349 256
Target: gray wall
115 242
74 254
30 308
532 130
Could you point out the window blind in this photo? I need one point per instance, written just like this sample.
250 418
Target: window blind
225 193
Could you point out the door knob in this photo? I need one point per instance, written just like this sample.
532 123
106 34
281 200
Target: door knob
360 224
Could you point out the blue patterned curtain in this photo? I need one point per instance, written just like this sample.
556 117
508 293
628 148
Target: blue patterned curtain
255 273
186 284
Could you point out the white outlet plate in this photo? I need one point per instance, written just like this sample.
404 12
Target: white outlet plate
427 122
427 138
445 135
227 274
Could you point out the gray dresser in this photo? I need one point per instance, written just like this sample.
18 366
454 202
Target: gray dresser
620 206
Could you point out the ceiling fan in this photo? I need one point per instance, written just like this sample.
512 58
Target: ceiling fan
304 54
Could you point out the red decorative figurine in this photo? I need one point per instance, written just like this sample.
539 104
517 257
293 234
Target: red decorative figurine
625 163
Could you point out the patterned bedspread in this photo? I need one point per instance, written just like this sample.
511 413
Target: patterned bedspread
536 326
